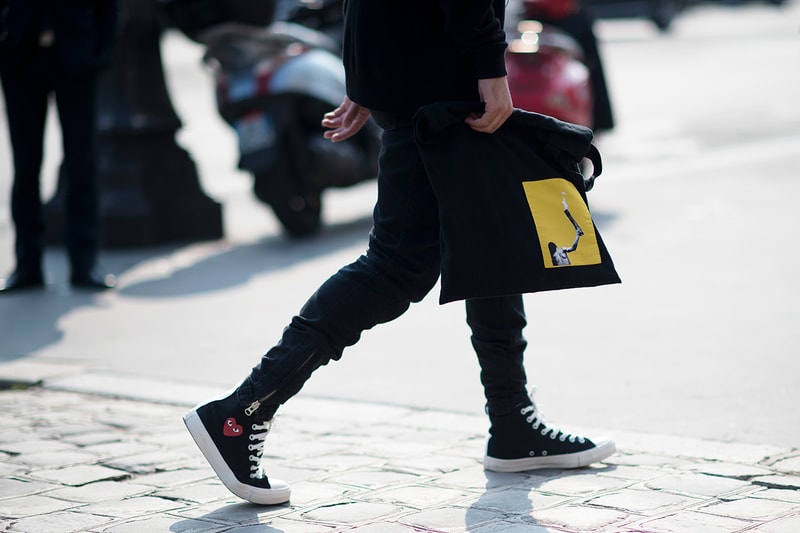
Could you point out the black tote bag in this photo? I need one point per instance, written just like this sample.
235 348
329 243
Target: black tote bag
514 215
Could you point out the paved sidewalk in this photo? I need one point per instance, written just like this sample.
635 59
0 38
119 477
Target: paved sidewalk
74 461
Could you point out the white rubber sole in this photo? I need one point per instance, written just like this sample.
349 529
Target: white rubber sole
603 449
280 491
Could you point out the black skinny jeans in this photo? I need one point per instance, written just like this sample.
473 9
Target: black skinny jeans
400 266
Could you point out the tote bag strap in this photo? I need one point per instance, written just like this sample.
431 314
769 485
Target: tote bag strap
593 155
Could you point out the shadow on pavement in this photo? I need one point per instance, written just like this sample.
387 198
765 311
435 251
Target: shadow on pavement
247 517
29 321
221 267
518 495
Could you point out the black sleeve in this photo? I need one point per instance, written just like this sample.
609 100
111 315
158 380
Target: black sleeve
476 26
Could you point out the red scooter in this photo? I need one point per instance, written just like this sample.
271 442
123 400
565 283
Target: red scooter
553 64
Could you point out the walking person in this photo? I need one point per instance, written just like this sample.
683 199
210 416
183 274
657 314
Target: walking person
54 47
456 53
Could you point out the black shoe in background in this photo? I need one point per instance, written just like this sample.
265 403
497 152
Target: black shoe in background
22 279
92 280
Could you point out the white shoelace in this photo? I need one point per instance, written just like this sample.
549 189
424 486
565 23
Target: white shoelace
537 421
258 447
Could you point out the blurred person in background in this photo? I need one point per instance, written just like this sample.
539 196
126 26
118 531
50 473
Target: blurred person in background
54 47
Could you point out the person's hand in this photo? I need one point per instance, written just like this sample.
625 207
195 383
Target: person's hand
497 99
345 121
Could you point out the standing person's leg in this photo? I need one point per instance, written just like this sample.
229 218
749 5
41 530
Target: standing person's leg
400 266
26 99
520 439
75 98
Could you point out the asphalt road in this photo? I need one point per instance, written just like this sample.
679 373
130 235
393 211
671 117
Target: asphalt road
696 204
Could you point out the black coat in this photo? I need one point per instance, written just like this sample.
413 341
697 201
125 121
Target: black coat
81 32
402 54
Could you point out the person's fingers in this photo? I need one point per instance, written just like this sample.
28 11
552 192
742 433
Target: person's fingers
496 97
351 125
333 118
489 122
344 121
341 134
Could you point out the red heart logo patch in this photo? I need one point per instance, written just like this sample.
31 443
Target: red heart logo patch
231 428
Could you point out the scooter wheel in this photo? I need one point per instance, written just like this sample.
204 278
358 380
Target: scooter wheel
300 216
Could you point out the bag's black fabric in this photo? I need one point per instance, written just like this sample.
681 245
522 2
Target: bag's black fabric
513 208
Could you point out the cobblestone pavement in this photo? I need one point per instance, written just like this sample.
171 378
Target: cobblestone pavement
71 461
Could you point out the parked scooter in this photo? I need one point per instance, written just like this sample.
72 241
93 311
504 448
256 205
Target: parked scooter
554 65
273 85
546 74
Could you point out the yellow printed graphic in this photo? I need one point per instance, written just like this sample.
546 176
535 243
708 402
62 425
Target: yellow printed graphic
562 219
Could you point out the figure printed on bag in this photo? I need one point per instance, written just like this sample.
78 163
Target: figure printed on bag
559 253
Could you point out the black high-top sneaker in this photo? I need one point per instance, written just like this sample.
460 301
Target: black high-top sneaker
521 440
232 439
